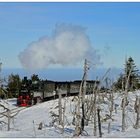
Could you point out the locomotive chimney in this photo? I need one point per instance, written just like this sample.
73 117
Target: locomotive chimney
25 78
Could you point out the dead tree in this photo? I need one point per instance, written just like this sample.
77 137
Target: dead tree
92 109
137 110
80 117
61 110
111 104
125 102
9 114
92 106
86 68
96 95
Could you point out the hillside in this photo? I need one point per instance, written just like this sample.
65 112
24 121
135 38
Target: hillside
26 123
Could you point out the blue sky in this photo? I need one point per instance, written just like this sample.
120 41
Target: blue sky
113 28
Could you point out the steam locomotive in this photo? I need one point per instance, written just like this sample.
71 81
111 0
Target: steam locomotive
38 91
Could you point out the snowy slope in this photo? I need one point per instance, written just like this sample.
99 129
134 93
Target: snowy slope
26 123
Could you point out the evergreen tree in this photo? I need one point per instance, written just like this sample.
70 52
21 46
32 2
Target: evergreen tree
14 83
120 82
130 68
35 78
36 83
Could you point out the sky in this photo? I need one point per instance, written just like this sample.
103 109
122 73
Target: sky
113 28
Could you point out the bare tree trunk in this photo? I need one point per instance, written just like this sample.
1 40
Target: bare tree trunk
77 122
111 110
92 104
99 123
34 128
109 124
83 117
95 103
112 104
111 100
60 108
124 102
95 113
9 114
40 126
9 119
83 95
123 114
137 110
81 99
64 116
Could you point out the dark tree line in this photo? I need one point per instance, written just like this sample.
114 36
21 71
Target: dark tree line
13 85
14 81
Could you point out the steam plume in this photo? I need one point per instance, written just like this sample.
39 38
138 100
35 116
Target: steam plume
68 45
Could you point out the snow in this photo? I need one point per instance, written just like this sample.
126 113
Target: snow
26 122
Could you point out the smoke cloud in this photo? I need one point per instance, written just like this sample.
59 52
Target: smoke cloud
68 45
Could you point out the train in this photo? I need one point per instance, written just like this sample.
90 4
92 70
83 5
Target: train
31 93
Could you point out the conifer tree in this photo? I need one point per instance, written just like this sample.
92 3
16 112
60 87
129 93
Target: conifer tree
134 77
133 82
14 83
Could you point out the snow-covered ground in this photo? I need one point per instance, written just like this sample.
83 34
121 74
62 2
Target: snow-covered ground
26 122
